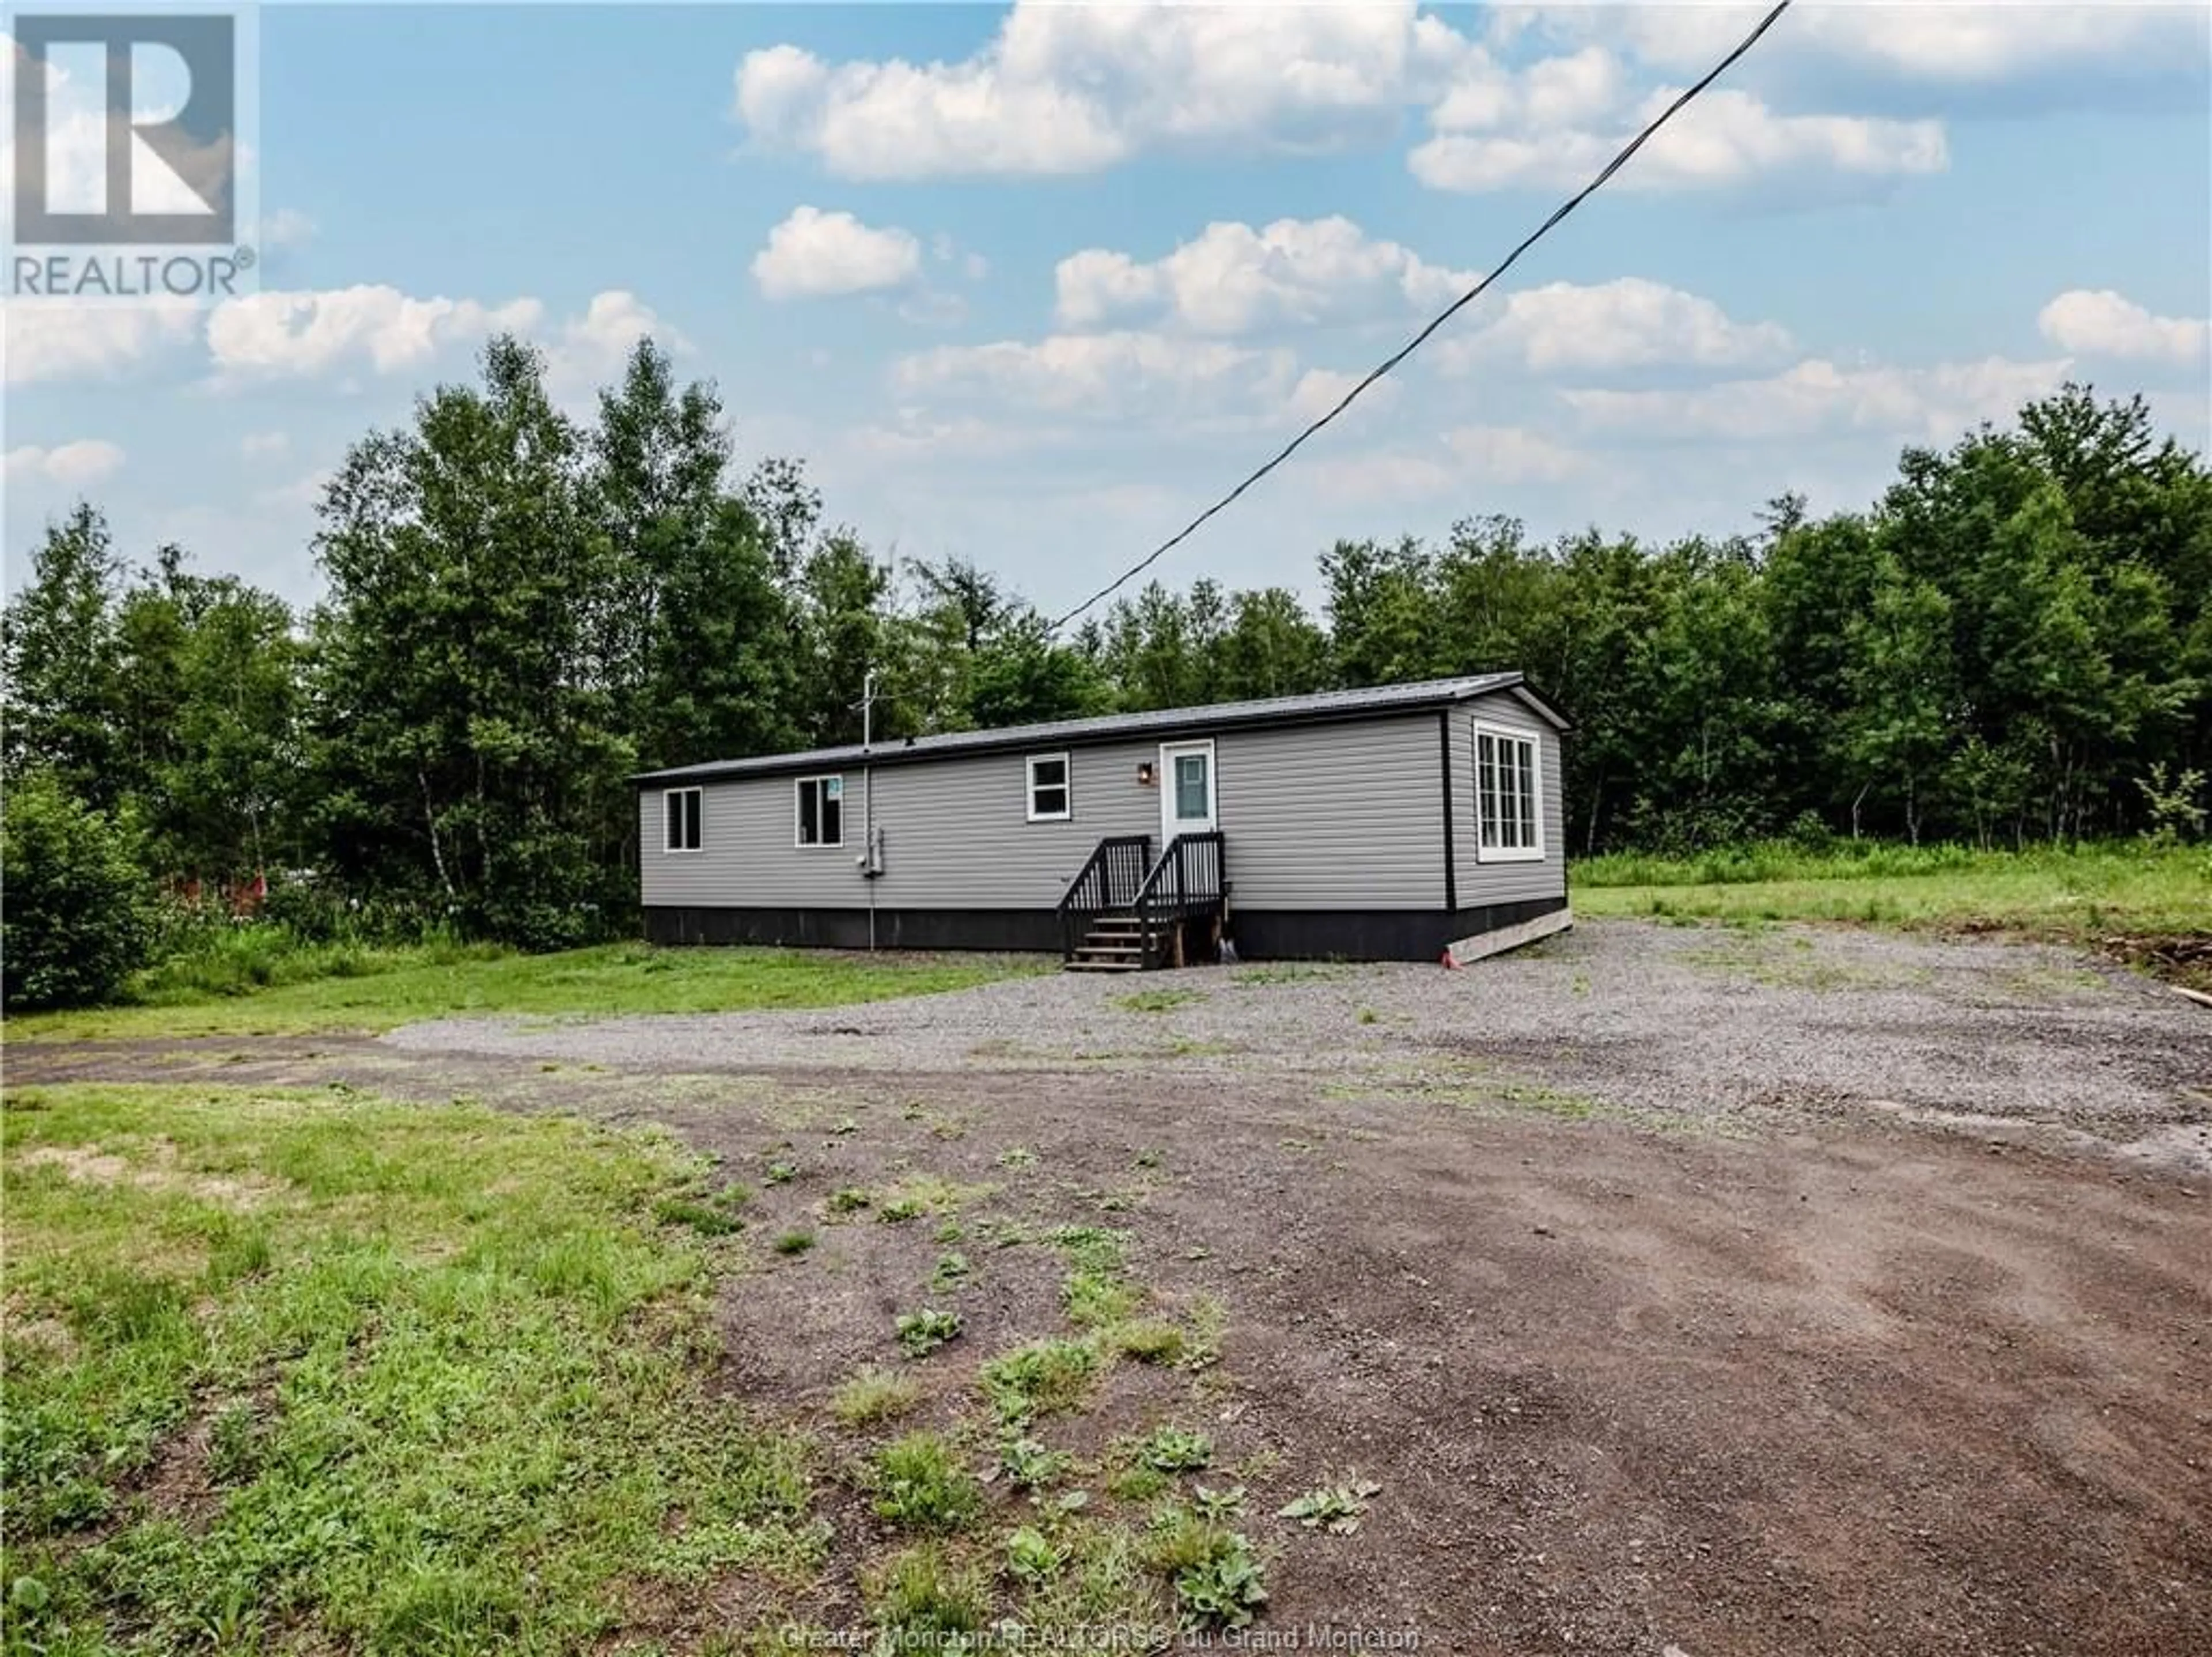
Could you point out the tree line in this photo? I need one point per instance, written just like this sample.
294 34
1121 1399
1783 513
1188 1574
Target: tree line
523 608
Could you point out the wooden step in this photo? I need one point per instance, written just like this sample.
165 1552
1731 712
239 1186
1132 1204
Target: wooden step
1080 965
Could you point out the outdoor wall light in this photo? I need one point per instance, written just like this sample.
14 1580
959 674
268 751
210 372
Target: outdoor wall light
1144 773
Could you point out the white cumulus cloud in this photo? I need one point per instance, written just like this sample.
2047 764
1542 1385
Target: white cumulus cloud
1949 44
1724 139
1106 374
1629 322
1819 398
64 340
304 333
1064 89
377 329
66 465
1232 278
813 254
1320 390
2101 323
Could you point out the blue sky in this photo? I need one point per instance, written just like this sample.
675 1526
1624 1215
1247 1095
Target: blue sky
1031 285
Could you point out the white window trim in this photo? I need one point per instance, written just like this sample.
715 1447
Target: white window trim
1168 753
1067 787
797 783
667 850
1508 733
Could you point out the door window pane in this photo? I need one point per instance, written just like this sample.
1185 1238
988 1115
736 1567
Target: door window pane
1191 805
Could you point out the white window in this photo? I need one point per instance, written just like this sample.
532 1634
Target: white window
821 811
1509 816
1051 798
679 811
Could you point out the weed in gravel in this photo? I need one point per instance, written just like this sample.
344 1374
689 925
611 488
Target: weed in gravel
846 1126
1157 1000
922 1332
1149 1158
1289 972
1545 1101
1218 1582
1217 1505
1335 1509
1369 1015
1095 1248
708 1219
795 1242
1017 1156
1148 1340
952 1271
1095 1299
951 1232
1191 1047
1137 1483
1033 1557
1102 1584
780 1173
1173 1449
1031 1465
849 1199
922 1600
1040 1379
920 1482
917 1194
1205 1319
875 1395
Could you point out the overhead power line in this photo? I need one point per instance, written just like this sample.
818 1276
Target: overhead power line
1413 345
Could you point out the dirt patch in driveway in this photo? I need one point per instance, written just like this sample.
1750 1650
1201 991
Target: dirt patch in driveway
1714 1339
1865 1391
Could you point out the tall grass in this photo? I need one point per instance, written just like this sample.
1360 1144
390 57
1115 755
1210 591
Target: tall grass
2079 894
1788 860
211 962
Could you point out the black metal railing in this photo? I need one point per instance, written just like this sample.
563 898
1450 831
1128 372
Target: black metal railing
1109 882
1189 880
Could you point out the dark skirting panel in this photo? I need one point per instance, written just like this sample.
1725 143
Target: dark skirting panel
1371 935
847 929
1259 935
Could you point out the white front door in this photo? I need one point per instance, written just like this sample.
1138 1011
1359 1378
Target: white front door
1185 789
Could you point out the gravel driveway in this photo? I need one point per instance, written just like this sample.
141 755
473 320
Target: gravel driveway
1617 1017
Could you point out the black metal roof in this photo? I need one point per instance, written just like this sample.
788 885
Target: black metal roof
1319 707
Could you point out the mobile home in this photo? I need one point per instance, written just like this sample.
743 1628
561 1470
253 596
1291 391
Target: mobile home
1389 824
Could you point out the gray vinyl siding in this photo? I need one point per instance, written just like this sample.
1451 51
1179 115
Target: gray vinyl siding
1478 882
1344 816
1333 817
955 835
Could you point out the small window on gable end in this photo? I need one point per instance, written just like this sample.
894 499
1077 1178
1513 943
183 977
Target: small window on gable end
1509 816
1052 799
680 811
821 809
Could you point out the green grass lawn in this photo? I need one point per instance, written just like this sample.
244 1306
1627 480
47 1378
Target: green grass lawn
315 1372
377 990
2080 895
